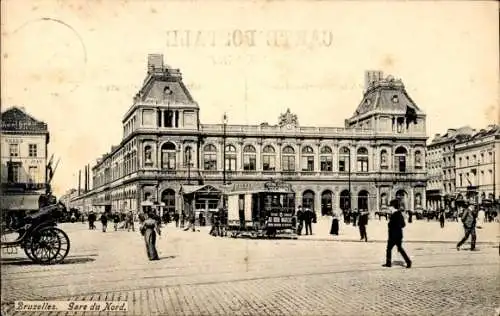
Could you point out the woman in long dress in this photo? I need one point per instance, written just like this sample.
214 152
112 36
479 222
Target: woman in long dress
149 229
334 230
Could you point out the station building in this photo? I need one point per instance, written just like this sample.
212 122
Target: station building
166 152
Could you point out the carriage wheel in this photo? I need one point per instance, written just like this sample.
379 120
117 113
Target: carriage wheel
50 245
27 248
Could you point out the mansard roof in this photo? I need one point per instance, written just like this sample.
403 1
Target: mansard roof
16 119
386 95
165 85
493 129
454 134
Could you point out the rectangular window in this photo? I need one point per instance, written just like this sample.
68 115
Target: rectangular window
14 150
288 163
230 163
342 165
249 162
326 163
33 172
13 170
32 150
210 162
268 163
308 163
363 165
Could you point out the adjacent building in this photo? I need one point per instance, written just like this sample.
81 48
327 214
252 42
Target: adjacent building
24 145
167 152
441 188
476 165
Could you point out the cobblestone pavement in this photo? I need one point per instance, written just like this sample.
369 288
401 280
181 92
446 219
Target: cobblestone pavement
202 275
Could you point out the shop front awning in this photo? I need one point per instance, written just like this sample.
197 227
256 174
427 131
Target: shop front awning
21 202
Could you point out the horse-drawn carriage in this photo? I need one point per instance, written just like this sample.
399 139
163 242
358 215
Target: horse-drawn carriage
38 235
267 211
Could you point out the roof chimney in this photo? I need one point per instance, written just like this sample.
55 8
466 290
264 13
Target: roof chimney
155 62
372 76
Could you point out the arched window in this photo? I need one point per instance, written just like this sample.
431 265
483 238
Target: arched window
268 158
288 161
188 156
326 202
345 200
209 157
325 157
249 158
344 159
384 161
400 159
363 200
418 159
148 156
307 159
168 197
230 158
362 159
308 200
168 156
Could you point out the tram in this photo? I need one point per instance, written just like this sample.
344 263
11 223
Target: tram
267 211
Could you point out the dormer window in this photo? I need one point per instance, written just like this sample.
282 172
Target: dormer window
368 102
395 99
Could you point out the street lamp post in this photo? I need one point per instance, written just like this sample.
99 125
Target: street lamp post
224 121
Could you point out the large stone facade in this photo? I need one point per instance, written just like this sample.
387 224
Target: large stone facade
379 153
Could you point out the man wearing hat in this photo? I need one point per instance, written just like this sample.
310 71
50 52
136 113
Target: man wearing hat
469 222
395 232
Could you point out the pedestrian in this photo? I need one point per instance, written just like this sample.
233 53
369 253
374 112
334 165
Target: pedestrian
300 220
308 219
362 222
149 229
395 234
104 222
215 230
130 221
355 215
469 222
410 216
176 218
334 230
92 219
116 220
441 219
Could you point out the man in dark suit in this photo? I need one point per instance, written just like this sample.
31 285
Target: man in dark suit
300 220
395 232
362 222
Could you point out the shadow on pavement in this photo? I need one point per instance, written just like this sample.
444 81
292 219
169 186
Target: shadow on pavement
168 257
27 262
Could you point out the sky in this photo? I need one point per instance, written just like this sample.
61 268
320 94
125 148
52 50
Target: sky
77 64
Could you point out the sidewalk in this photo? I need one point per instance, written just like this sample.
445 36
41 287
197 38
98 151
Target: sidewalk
417 231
